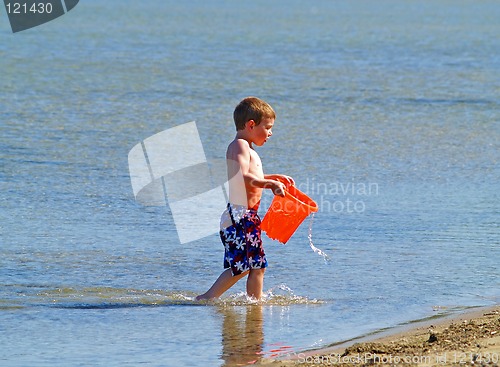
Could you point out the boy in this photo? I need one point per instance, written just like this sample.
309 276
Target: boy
240 225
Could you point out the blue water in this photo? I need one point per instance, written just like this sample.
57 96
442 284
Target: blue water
387 115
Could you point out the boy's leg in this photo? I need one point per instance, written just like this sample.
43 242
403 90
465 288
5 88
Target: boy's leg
225 281
255 283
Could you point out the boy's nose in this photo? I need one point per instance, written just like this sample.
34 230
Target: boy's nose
270 133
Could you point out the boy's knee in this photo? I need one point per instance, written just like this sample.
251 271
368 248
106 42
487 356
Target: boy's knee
257 272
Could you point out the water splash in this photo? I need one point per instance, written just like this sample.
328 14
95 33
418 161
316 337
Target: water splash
311 244
109 298
280 295
284 295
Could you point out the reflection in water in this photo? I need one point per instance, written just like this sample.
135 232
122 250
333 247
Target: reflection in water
242 334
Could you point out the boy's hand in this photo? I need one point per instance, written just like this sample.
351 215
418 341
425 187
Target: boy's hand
287 180
278 188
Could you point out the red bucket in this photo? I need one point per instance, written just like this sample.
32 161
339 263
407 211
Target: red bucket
286 213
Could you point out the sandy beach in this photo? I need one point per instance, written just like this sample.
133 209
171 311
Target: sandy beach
470 338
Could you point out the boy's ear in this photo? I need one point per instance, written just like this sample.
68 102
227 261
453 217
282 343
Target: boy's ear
250 124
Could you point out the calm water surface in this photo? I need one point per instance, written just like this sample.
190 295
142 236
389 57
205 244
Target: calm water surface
388 116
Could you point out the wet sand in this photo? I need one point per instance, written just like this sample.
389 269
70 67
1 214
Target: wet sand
469 338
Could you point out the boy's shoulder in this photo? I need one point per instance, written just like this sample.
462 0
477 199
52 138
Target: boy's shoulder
238 145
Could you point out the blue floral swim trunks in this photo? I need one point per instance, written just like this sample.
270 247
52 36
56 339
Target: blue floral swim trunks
242 241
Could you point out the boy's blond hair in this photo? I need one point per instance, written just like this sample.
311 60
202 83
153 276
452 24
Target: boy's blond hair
252 108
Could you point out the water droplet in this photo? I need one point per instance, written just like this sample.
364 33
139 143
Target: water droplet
311 244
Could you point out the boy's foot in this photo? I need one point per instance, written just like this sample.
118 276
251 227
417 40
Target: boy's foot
201 297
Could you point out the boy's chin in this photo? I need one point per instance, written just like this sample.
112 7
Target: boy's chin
261 143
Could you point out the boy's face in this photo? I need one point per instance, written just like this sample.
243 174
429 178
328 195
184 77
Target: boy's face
262 131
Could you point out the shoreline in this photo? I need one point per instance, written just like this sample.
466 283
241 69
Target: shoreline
464 338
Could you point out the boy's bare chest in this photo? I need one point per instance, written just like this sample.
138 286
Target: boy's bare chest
255 163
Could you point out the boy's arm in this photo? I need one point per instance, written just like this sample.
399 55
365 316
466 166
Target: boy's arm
241 154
